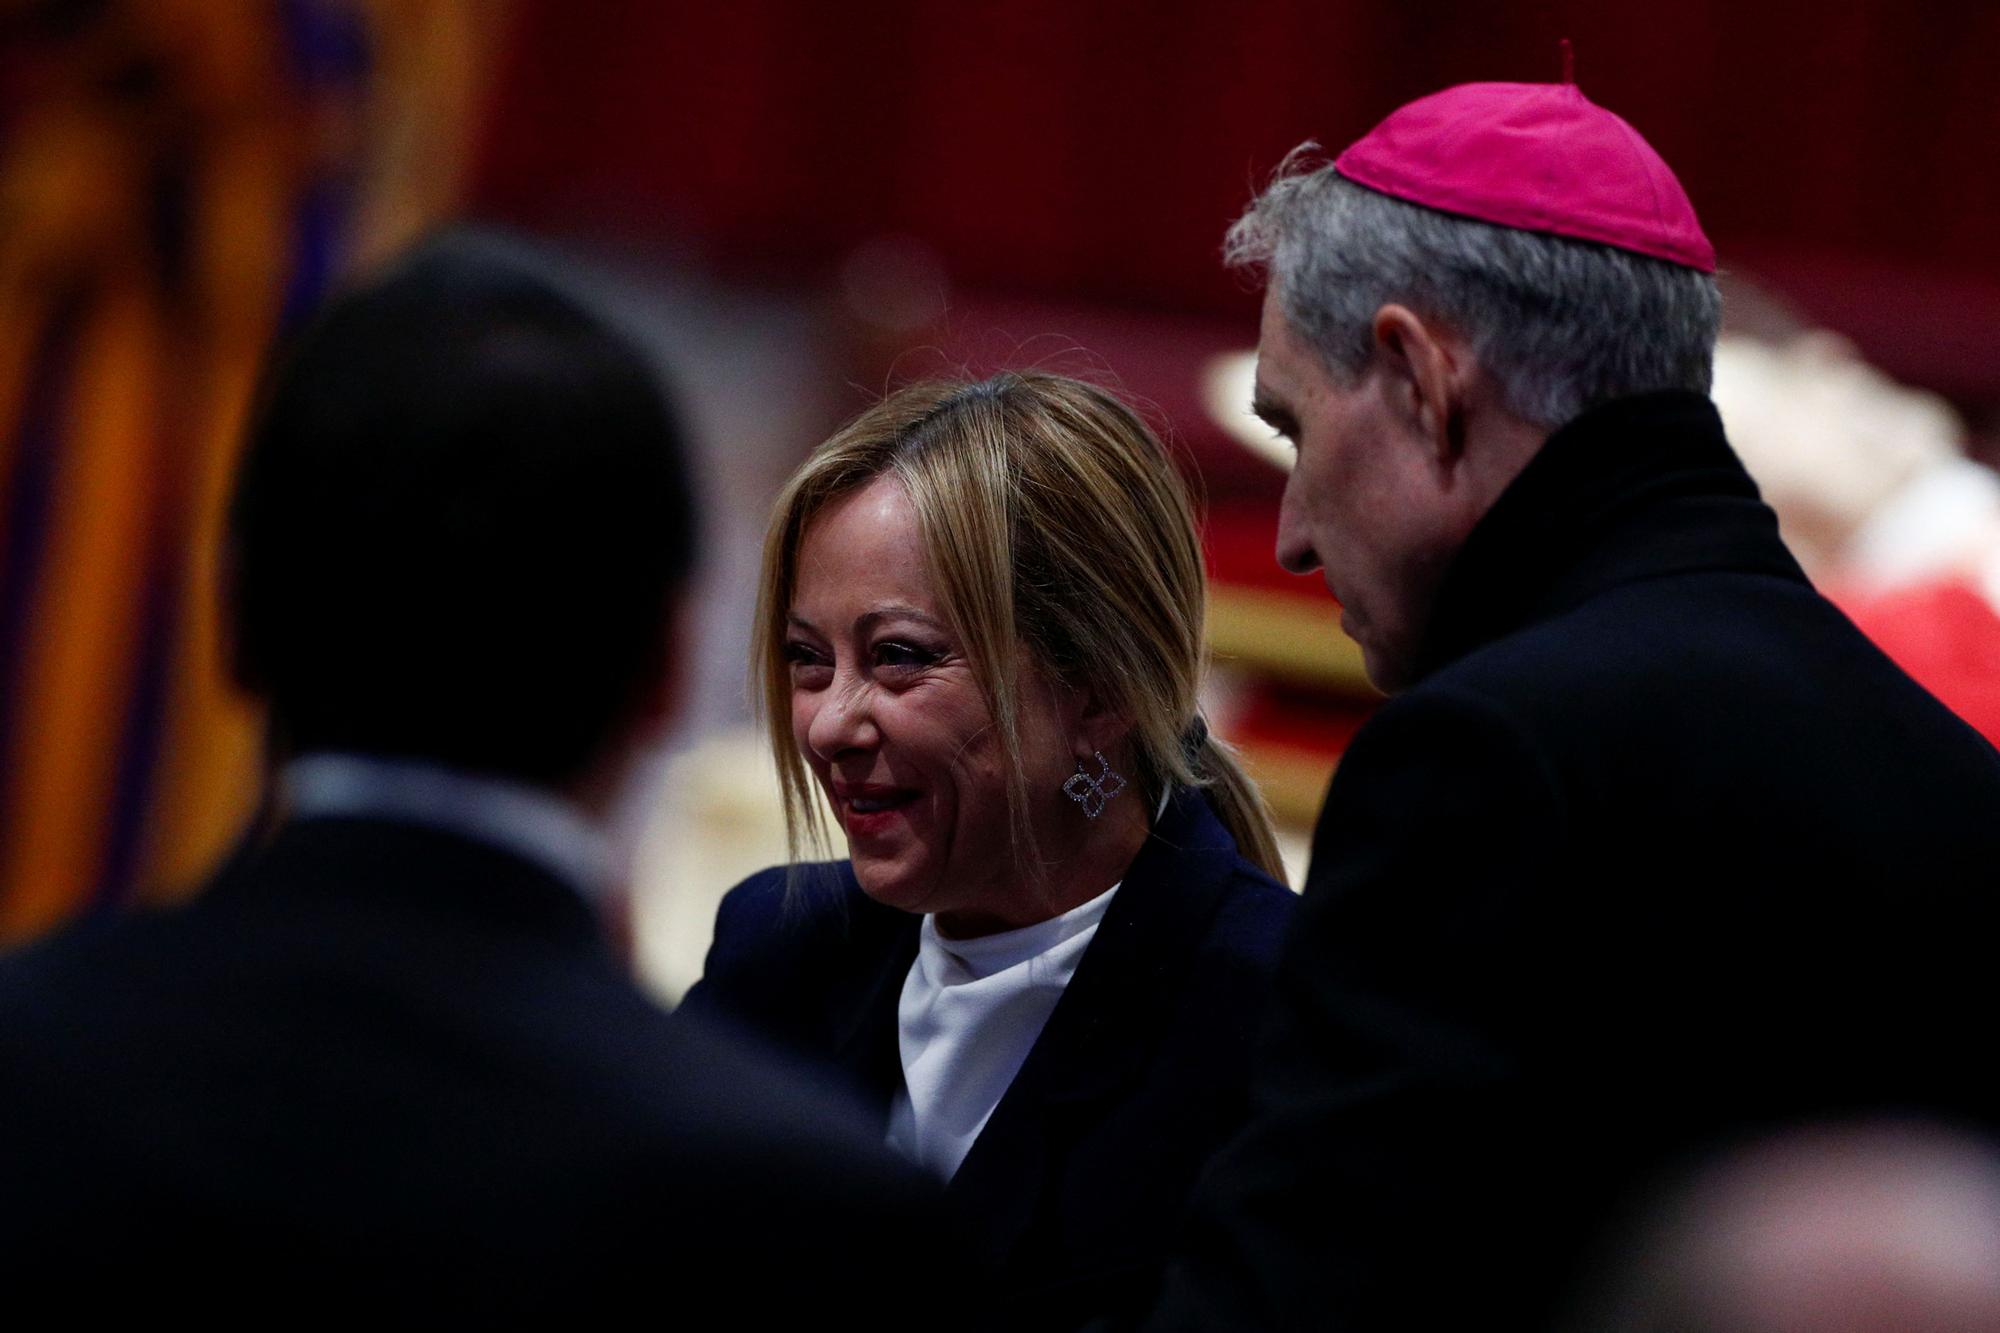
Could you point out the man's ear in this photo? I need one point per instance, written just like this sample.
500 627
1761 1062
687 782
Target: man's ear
1428 368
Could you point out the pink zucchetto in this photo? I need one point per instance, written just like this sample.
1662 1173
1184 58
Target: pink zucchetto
1537 156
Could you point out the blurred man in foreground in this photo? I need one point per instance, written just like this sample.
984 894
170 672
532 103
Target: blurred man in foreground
389 1055
1652 846
1847 1228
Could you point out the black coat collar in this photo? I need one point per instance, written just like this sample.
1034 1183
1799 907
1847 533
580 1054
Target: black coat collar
391 868
1101 1036
1093 1042
1634 488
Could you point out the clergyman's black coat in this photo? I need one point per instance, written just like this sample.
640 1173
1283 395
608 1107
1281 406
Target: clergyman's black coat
1659 850
1073 1189
380 1067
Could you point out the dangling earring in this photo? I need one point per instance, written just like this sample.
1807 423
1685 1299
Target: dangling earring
1094 793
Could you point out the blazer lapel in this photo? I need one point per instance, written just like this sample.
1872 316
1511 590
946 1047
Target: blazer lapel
862 1017
1099 1037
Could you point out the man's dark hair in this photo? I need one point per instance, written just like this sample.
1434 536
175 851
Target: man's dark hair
461 524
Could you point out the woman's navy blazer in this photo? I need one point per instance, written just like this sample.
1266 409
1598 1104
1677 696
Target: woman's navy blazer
1074 1189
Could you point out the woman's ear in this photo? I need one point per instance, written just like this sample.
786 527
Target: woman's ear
1094 726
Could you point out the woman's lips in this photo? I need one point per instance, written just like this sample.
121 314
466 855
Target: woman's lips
866 811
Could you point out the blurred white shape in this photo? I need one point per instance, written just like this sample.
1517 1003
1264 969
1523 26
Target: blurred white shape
1837 1228
719 819
1868 476
1227 383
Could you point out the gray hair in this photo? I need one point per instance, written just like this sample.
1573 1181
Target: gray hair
1561 324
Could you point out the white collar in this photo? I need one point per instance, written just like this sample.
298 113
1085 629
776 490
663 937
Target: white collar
530 822
984 955
969 1013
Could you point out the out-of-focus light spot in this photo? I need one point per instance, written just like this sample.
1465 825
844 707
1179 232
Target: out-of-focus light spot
895 283
1227 382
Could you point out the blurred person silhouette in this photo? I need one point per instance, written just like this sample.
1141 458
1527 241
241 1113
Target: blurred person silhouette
980 637
1650 846
1851 1228
388 1058
1876 497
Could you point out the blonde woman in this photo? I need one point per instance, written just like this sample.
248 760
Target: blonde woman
1045 957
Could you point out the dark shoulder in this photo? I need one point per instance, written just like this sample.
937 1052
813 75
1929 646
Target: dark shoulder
1746 633
761 1125
1707 662
1193 884
752 1095
38 995
787 936
94 969
1251 916
746 1127
781 908
1479 703
1203 969
1437 769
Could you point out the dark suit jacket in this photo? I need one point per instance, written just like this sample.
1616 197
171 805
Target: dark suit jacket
381 1063
1659 850
1073 1187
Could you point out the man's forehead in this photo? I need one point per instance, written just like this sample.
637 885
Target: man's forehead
1272 322
1278 355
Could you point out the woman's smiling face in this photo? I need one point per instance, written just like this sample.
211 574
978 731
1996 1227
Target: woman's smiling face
890 717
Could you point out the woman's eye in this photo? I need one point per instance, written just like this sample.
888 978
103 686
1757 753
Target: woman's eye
803 657
903 656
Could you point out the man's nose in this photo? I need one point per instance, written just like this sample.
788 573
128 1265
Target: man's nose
1295 544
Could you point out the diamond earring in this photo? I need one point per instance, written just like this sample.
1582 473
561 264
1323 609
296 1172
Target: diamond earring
1094 793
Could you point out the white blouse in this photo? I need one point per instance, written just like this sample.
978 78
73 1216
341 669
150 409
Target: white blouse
969 1014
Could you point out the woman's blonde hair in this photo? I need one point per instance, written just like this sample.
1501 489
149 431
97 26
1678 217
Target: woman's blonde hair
1059 535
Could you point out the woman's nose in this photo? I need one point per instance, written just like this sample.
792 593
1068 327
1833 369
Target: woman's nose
844 721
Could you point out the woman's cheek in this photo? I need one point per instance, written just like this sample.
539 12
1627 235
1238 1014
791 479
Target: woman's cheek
802 716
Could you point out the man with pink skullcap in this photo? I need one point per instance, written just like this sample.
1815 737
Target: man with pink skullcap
1650 847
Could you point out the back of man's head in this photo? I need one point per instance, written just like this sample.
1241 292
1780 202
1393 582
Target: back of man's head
462 524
